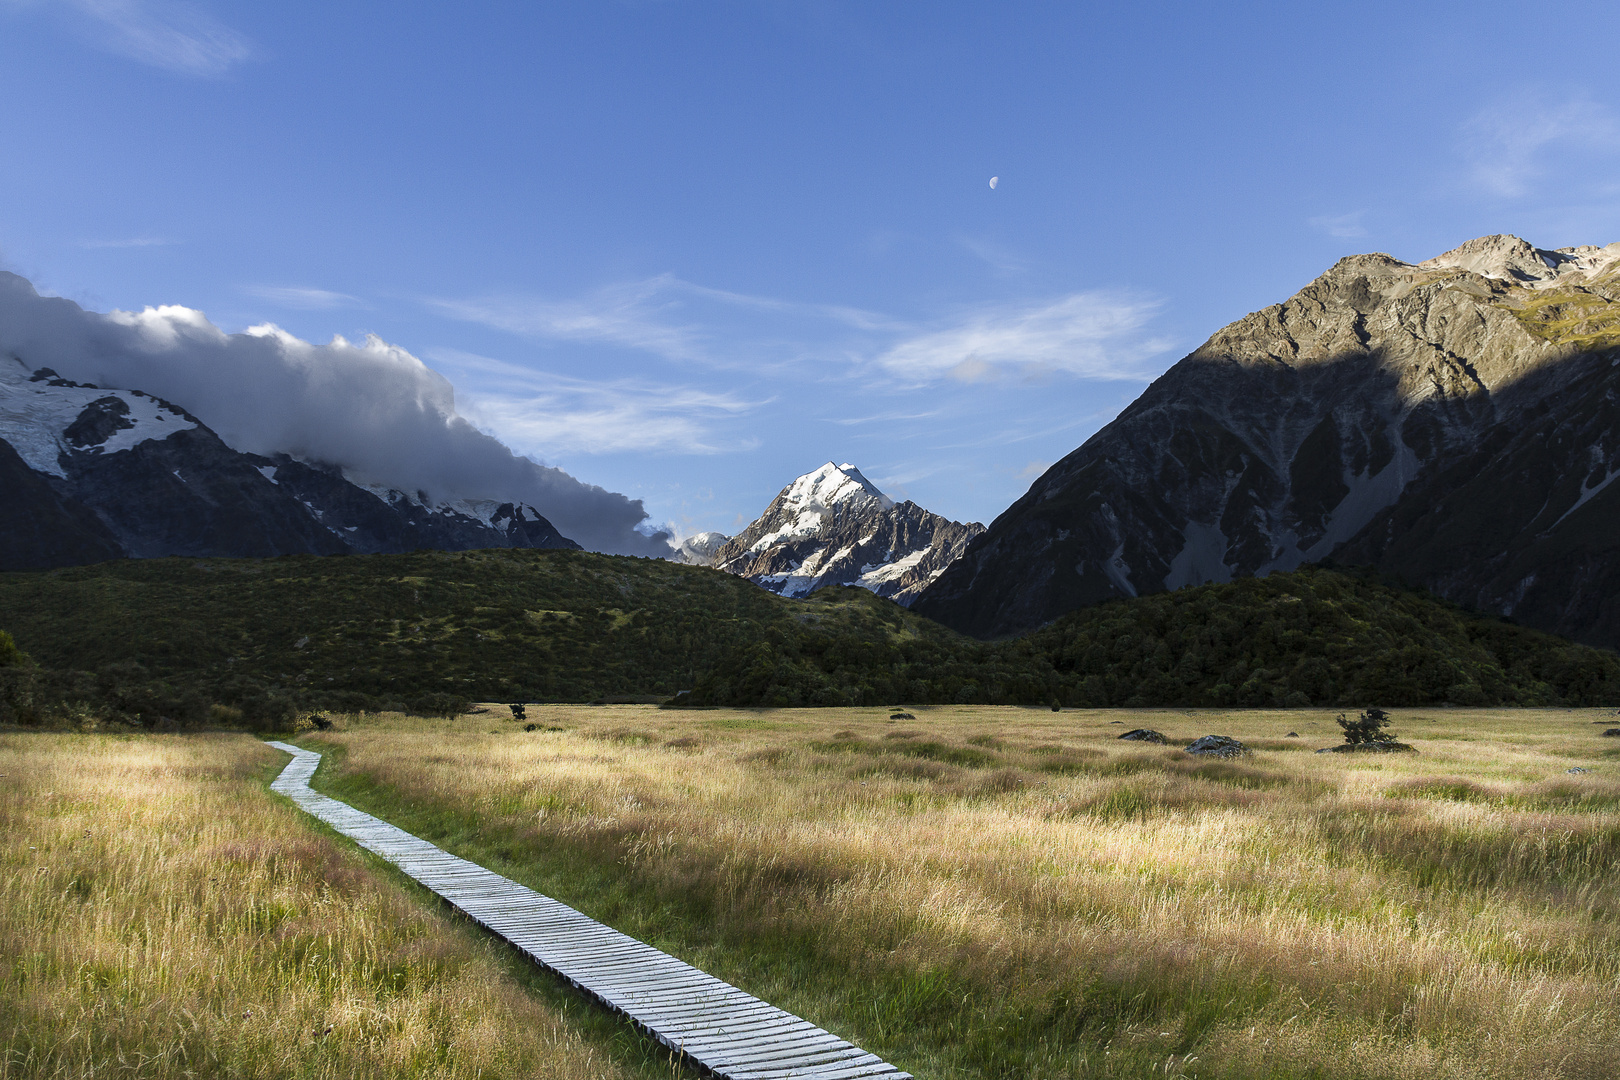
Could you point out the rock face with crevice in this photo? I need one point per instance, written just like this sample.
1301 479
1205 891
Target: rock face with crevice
1454 422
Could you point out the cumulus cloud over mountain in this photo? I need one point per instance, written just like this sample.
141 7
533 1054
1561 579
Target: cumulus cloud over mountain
371 408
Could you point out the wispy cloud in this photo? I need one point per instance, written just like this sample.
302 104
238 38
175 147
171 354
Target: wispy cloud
1343 226
1033 470
1090 335
1510 145
306 299
885 418
175 35
671 318
555 414
640 315
130 242
1000 259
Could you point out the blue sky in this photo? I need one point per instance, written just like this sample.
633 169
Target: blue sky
688 250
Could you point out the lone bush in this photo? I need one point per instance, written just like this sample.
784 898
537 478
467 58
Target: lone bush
1370 727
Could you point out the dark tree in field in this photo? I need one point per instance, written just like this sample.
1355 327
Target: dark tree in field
517 711
1369 727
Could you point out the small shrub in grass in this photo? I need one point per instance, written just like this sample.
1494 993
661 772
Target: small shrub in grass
1369 727
1369 731
315 721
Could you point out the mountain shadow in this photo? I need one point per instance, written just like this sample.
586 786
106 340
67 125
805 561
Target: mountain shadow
1452 423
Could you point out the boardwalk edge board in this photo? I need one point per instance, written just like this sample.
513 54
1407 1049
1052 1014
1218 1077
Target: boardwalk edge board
726 1031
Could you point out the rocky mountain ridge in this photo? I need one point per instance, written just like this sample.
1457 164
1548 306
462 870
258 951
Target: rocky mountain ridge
832 526
1453 422
90 474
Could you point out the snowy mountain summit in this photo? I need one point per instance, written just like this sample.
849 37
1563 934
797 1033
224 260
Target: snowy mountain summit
833 526
699 549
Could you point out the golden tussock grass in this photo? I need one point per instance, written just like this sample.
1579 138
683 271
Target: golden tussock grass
163 915
983 891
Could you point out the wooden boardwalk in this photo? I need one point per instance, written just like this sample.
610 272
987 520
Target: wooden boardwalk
712 1023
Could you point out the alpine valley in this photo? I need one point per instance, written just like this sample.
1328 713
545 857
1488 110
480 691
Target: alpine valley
90 474
1453 424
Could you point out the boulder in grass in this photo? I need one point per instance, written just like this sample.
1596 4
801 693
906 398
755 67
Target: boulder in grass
1143 734
1221 746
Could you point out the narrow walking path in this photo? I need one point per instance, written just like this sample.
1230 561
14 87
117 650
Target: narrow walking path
728 1032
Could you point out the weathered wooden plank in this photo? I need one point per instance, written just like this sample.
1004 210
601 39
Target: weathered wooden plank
727 1031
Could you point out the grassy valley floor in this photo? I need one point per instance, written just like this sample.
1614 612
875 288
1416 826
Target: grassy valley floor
988 892
163 915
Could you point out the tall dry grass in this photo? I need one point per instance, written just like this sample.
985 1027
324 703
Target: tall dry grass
1013 892
162 915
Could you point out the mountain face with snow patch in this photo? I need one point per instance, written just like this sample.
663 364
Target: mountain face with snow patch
833 527
89 474
1455 423
700 549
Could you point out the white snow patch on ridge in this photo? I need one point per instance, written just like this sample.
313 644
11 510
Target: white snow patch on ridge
34 417
874 576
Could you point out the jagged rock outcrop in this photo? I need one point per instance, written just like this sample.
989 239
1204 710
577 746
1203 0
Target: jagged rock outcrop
833 527
1453 422
89 474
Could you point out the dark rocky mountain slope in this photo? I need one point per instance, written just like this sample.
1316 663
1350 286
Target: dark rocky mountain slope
89 474
1454 423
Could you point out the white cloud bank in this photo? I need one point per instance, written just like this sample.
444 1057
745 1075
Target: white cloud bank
373 408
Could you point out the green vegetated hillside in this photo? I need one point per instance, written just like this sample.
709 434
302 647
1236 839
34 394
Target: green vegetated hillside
175 637
1311 637
422 630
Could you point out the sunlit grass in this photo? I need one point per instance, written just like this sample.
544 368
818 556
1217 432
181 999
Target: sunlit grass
163 915
997 891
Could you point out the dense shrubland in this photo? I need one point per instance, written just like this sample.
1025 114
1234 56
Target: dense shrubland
254 642
1311 637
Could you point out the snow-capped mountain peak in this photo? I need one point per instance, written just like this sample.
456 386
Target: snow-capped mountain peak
832 526
832 484
801 507
699 549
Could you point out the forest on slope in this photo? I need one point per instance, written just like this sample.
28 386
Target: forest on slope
190 641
